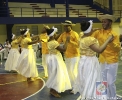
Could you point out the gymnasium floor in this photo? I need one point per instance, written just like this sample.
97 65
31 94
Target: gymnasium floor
14 86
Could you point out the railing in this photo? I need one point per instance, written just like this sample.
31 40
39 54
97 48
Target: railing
100 5
54 12
51 12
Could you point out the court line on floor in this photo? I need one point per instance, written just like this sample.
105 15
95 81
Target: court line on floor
79 98
11 82
15 73
37 68
8 73
119 96
36 64
37 91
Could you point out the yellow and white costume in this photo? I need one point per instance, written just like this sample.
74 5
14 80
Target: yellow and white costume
88 70
71 54
44 52
26 65
13 56
109 59
58 78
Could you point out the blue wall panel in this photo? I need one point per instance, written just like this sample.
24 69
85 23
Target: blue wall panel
3 8
56 1
34 20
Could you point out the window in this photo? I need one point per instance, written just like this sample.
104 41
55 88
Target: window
18 29
34 30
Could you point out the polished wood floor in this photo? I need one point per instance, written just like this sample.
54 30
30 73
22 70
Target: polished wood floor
15 87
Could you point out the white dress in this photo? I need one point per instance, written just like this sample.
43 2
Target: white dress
88 70
58 78
12 59
26 65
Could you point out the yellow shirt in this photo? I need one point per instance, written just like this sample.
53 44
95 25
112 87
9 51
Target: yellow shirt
84 46
73 47
44 44
112 51
52 45
19 41
14 44
25 42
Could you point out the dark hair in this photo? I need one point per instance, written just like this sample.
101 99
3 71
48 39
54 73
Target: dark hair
110 20
23 31
49 31
7 40
84 25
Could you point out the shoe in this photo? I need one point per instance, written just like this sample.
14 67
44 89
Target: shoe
36 78
72 92
45 77
13 71
30 79
54 93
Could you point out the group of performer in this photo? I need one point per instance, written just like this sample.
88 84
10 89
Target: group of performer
81 69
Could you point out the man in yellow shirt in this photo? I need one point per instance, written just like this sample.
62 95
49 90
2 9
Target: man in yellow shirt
110 56
44 39
72 53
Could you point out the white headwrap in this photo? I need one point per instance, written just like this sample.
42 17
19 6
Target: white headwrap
13 36
26 31
90 27
55 30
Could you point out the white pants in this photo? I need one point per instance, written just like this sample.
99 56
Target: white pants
44 64
109 73
1 53
72 68
6 53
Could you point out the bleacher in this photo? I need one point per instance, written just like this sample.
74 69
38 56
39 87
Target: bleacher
18 9
12 11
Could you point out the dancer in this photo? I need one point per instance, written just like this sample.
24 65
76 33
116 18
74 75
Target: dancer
110 57
19 39
44 39
72 53
26 64
88 68
58 79
13 55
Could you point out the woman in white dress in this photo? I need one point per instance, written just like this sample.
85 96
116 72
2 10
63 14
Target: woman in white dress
11 62
88 68
58 79
26 65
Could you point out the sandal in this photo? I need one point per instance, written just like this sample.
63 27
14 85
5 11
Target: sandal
54 93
